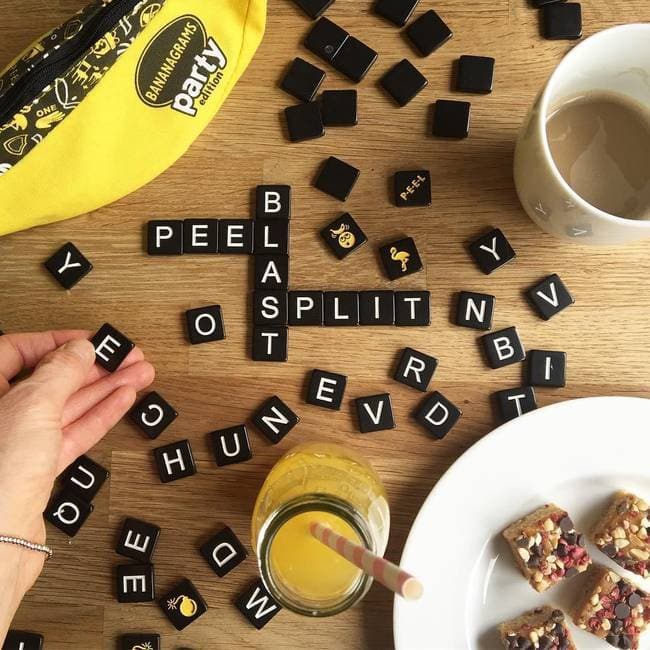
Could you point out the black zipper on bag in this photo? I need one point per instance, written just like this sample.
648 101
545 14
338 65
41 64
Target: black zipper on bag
59 60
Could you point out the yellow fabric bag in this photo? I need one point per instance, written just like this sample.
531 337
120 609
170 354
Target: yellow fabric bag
129 85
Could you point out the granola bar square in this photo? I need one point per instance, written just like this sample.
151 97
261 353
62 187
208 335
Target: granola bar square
547 547
543 628
623 533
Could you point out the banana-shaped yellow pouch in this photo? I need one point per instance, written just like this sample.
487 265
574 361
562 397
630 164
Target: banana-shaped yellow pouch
101 105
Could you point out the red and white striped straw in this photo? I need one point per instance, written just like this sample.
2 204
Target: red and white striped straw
385 572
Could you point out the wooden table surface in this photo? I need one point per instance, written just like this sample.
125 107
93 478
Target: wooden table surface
212 386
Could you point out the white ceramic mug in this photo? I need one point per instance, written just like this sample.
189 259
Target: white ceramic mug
617 60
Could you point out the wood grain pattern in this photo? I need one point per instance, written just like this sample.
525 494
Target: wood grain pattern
605 334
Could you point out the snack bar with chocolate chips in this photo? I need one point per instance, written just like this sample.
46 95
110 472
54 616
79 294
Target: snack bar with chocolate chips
613 609
540 629
547 547
622 533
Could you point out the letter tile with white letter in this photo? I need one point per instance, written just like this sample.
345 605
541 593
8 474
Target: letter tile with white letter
437 415
475 310
375 413
135 583
175 461
205 324
165 237
270 343
550 297
515 402
152 414
273 202
138 539
84 477
257 605
275 419
231 445
492 251
503 347
546 368
68 265
200 236
415 369
326 389
306 308
223 552
68 512
111 347
19 640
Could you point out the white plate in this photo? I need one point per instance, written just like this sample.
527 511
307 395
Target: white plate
575 454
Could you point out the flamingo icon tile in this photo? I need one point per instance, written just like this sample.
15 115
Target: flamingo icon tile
400 258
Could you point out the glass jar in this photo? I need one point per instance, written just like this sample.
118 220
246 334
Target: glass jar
333 485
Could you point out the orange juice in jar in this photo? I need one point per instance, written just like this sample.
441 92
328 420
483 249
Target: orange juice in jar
334 486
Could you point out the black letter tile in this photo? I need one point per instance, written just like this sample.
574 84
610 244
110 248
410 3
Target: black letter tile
314 8
343 236
140 641
273 202
257 605
19 640
503 348
270 308
271 236
400 258
437 415
231 445
165 237
492 251
68 265
306 308
236 236
547 368
271 271
135 583
550 297
341 308
375 413
275 419
415 369
175 461
302 80
354 59
200 236
325 39
376 308
562 21
403 82
68 512
326 389
270 343
111 347
413 188
475 310
337 178
304 122
223 552
515 402
152 414
84 478
475 74
138 540
183 605
428 32
205 324
412 308
451 118
339 107
397 12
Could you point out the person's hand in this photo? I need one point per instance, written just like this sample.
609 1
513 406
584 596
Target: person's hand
65 406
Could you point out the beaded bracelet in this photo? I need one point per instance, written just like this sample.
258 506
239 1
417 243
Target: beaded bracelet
32 546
